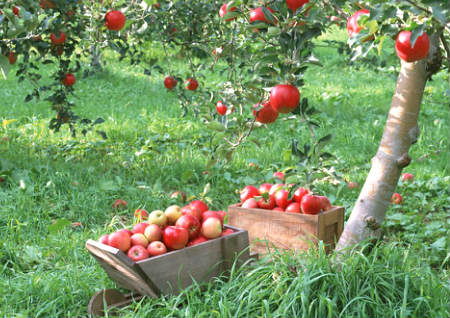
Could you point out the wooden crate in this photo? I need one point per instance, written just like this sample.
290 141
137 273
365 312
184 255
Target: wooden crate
268 229
172 272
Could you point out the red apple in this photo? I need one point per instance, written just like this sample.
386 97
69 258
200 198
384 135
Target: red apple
104 239
213 214
141 214
173 213
264 113
191 84
248 192
175 237
284 98
68 79
311 204
267 204
127 231
153 233
221 108
179 195
189 210
353 27
410 53
115 20
199 206
138 253
157 217
396 198
407 177
224 9
211 228
227 232
294 208
120 240
139 239
16 10
294 5
326 205
12 58
274 189
156 248
299 194
118 204
250 204
278 175
278 209
170 82
58 39
190 223
352 185
265 187
282 198
140 228
197 240
257 15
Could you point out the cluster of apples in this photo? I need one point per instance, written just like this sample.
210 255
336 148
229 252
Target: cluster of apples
276 197
173 229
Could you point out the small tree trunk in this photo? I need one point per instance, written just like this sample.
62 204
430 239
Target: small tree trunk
95 58
400 132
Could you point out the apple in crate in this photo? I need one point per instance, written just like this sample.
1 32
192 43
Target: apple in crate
213 214
299 194
265 187
104 239
190 223
138 253
188 210
227 232
248 192
173 213
153 233
120 240
199 206
250 204
175 237
197 240
139 239
294 207
212 228
140 228
156 248
326 204
157 217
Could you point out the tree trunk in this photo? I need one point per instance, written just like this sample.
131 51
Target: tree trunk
96 58
400 132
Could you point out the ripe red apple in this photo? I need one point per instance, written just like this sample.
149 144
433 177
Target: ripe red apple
353 27
170 82
299 194
141 214
197 240
139 239
68 80
264 113
294 5
352 185
224 9
257 15
408 177
410 53
267 204
156 248
213 214
294 207
126 231
199 206
138 253
104 239
190 223
12 58
157 217
175 237
211 228
278 209
119 203
221 108
120 240
58 39
153 233
140 228
173 213
326 205
282 198
16 11
115 20
227 232
179 195
191 84
278 175
284 98
396 198
250 204
248 192
189 210
276 187
265 188
311 204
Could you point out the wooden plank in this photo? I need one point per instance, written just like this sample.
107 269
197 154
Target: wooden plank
121 268
328 227
271 229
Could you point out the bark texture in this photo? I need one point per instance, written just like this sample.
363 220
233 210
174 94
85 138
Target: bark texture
401 131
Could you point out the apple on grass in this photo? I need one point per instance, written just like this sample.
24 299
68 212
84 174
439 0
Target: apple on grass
120 240
175 237
139 239
119 204
211 228
141 214
190 223
158 217
173 213
408 177
138 253
396 198
140 228
156 248
153 233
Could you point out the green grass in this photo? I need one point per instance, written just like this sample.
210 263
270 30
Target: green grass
151 151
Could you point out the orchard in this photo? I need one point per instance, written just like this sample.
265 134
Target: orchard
137 124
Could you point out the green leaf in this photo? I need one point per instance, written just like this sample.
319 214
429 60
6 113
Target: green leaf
58 226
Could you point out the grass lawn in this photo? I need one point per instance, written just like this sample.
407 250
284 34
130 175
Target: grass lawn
152 151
